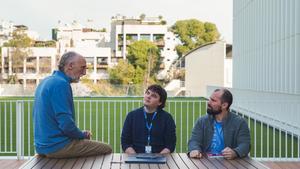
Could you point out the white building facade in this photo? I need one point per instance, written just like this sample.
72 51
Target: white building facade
266 66
125 31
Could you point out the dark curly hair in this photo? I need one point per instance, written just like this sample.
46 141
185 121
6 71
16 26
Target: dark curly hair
161 92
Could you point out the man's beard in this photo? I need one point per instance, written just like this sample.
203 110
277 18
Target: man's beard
74 80
210 111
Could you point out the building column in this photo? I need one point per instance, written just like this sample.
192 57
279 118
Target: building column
9 62
24 73
37 65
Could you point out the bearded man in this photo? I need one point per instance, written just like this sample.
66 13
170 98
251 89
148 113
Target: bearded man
220 132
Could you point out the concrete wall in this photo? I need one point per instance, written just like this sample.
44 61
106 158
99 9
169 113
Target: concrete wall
204 66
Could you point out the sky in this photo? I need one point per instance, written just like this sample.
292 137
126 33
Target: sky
43 15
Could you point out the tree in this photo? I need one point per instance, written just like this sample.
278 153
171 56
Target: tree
145 57
140 52
122 73
193 33
142 16
20 50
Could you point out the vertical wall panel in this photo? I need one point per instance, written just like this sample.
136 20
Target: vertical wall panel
266 57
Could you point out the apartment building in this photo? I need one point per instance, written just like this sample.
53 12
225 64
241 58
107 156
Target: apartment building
100 48
89 42
8 27
126 30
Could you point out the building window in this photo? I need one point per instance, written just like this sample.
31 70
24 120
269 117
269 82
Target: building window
145 37
90 64
31 65
131 38
45 65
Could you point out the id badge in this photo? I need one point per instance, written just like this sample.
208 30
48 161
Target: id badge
148 149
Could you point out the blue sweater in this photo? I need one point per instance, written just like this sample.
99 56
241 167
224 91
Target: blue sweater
135 132
53 114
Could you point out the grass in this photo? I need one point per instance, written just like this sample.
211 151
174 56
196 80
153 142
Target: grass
105 119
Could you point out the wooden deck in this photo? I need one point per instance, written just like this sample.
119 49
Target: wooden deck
282 164
112 161
11 164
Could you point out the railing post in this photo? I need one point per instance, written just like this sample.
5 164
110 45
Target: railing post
20 150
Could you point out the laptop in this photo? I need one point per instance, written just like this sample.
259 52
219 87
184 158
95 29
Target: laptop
146 158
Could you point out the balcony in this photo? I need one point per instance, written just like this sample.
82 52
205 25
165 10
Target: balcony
102 116
102 66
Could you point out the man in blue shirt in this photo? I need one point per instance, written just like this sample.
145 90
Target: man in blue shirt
220 132
55 132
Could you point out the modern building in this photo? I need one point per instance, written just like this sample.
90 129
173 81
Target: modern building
43 60
100 48
77 35
8 27
207 65
266 67
40 63
125 31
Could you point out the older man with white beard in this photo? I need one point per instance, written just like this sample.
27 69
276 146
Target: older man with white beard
55 132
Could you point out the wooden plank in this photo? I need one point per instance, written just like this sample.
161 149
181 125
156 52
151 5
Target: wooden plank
116 161
198 163
187 161
236 164
226 163
207 163
134 166
31 163
163 166
217 163
79 163
98 162
41 163
245 163
59 164
144 166
89 161
288 165
50 164
70 163
254 163
153 166
107 161
178 161
170 162
12 164
271 164
123 164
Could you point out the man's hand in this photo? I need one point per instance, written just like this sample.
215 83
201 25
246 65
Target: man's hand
130 150
87 135
165 151
195 154
229 153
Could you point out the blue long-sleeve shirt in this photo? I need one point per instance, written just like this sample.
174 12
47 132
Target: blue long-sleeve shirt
53 114
135 132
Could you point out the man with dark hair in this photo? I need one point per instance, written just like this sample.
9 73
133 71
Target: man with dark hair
220 132
149 129
55 132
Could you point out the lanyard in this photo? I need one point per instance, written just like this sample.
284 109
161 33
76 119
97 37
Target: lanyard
149 126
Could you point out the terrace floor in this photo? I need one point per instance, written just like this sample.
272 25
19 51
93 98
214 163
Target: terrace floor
174 161
14 164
